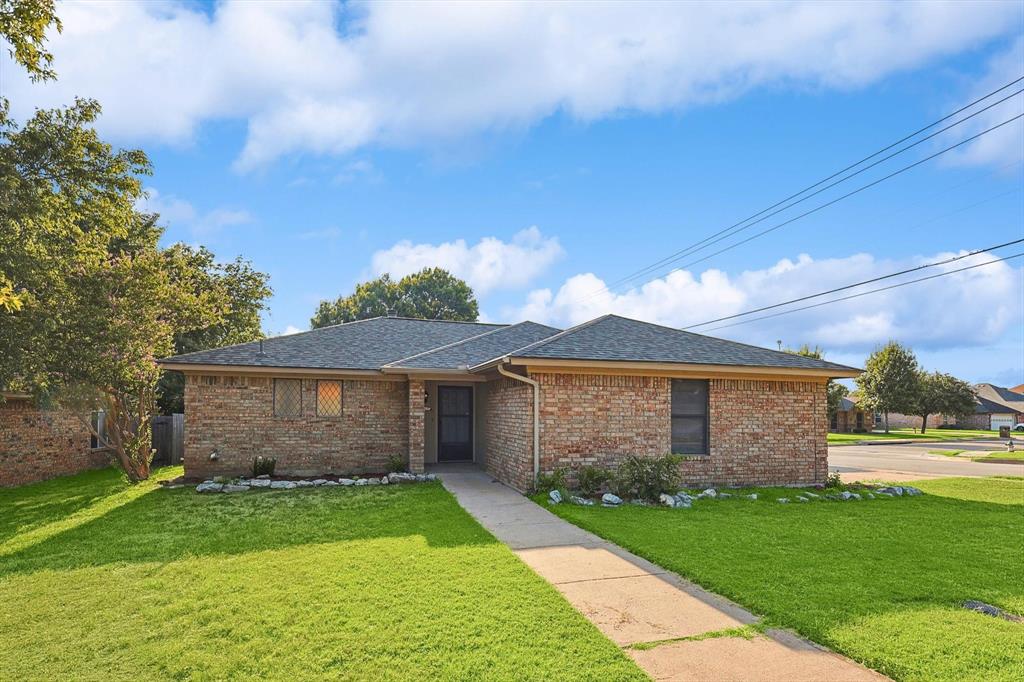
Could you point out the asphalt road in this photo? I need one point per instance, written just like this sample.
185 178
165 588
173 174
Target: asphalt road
909 461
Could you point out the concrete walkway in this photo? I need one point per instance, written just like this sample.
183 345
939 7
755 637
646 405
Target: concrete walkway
633 601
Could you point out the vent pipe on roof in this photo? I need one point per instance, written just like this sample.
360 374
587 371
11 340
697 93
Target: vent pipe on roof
261 353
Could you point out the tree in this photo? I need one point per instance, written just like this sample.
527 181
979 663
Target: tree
23 25
890 381
940 393
835 391
87 299
432 293
235 287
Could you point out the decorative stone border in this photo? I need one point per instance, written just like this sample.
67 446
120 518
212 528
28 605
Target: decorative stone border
243 485
684 500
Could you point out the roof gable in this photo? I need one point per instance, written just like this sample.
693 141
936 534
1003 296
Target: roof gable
364 344
1003 398
614 338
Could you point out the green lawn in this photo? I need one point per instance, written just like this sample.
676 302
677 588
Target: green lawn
1016 456
99 580
880 580
937 435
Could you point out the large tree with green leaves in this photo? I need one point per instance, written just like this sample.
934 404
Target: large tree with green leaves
88 300
940 393
235 286
890 382
432 293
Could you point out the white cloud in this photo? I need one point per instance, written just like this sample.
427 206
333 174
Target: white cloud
329 78
359 169
1005 145
487 265
177 212
965 309
291 329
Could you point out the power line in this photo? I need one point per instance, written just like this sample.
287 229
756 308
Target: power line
865 293
850 194
858 284
732 230
761 213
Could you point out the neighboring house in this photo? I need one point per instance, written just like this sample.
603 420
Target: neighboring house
1019 388
37 444
996 406
851 419
913 421
514 398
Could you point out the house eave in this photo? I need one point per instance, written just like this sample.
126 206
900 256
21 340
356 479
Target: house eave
674 368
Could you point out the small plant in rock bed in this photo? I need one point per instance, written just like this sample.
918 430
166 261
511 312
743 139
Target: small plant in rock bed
263 466
556 480
647 477
396 464
591 479
834 480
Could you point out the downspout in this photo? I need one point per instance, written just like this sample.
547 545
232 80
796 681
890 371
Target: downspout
536 413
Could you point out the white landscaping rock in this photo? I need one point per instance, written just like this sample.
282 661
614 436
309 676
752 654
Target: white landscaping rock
555 497
319 481
668 500
582 501
304 484
611 500
330 483
209 487
783 500
233 488
751 496
346 481
282 485
710 492
259 483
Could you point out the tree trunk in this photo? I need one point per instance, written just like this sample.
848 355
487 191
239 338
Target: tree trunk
885 418
924 422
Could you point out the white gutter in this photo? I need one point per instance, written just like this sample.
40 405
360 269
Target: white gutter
536 412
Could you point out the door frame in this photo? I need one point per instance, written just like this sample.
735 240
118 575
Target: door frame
472 422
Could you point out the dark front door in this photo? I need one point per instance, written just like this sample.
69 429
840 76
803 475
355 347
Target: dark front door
454 423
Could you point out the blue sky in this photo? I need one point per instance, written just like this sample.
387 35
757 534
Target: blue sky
542 152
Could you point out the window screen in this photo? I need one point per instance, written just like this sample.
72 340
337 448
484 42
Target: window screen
287 397
328 398
689 417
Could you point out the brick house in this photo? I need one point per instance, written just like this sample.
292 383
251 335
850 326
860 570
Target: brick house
515 399
995 406
38 444
849 418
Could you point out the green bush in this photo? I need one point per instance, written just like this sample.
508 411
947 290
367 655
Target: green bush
553 481
647 477
263 465
590 479
396 464
833 480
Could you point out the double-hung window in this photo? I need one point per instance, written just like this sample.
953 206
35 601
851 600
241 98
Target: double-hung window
689 416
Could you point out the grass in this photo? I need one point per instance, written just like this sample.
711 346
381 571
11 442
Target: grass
1015 456
101 580
937 435
945 453
881 580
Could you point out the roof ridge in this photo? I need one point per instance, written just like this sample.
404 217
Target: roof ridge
537 344
449 345
279 336
446 346
427 319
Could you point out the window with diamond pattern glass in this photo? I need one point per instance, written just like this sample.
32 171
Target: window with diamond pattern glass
328 398
287 397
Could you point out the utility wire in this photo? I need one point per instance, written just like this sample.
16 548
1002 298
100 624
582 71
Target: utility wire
865 293
736 229
858 284
850 194
684 251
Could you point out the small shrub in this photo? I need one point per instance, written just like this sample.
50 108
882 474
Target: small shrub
590 479
263 465
833 480
396 464
553 481
647 477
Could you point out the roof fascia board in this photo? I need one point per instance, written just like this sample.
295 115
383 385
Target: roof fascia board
682 367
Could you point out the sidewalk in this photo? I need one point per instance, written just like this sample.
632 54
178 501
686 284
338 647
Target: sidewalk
635 602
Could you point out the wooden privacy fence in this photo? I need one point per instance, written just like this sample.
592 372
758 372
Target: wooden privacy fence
168 439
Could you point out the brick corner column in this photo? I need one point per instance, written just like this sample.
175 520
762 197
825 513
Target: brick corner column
416 425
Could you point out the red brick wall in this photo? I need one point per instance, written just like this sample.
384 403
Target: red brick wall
975 421
36 445
508 432
761 432
235 416
911 421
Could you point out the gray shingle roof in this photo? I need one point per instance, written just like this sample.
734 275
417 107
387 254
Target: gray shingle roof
479 349
998 399
618 338
366 344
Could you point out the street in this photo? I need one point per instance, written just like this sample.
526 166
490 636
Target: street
912 461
